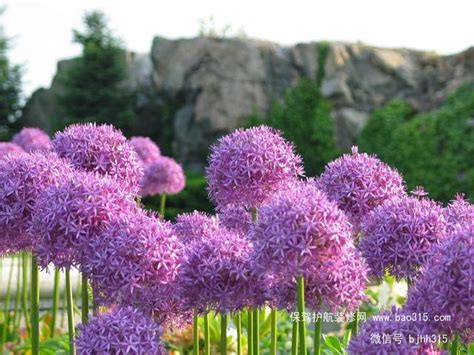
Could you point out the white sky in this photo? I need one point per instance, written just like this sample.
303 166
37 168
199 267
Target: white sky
42 29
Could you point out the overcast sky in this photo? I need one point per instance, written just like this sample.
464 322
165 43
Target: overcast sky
42 29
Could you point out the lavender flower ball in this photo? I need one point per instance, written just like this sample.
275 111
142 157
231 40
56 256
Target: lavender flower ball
459 214
215 273
298 228
31 139
370 339
163 176
195 226
134 252
146 149
71 214
9 148
446 285
100 149
22 178
123 331
235 218
359 183
398 235
247 166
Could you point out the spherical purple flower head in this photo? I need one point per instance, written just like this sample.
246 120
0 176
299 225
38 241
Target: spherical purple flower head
122 331
134 252
446 285
359 183
247 166
101 149
215 273
71 214
31 139
195 226
22 178
338 283
10 148
299 227
459 214
390 324
398 235
146 149
236 218
163 176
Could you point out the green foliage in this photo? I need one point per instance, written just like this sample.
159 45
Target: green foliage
304 118
92 85
434 150
322 51
10 89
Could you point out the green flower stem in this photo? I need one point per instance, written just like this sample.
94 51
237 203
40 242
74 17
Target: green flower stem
250 332
294 338
6 308
238 325
223 334
256 332
70 311
207 335
85 300
455 348
24 290
355 324
34 299
301 322
55 302
162 205
273 331
317 336
196 333
17 315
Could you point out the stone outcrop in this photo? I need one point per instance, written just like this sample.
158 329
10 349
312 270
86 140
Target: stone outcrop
213 85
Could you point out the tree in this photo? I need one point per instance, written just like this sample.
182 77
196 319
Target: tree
10 89
93 85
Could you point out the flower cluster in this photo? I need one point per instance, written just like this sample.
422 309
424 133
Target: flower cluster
32 139
22 178
195 226
100 149
459 214
398 235
163 176
247 166
122 331
146 149
236 218
9 148
359 183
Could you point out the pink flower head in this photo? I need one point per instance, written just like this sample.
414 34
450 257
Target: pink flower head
459 214
195 226
236 218
121 331
22 178
298 228
100 149
358 183
31 139
247 166
133 253
163 176
9 148
146 149
398 235
70 215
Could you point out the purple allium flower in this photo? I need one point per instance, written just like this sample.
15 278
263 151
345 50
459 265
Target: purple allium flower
122 331
459 214
22 178
236 218
101 149
133 253
146 149
298 228
446 285
397 236
163 176
195 226
247 166
402 333
71 214
215 273
31 139
359 183
10 148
